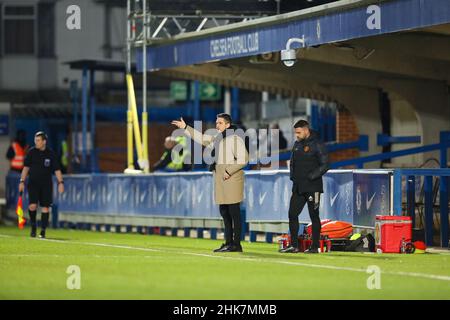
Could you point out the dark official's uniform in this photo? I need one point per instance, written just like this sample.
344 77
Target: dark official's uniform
42 165
309 162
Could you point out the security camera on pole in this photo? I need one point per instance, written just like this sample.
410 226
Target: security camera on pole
289 56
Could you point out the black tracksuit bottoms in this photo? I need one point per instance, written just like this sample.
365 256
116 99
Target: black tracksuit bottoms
231 214
298 201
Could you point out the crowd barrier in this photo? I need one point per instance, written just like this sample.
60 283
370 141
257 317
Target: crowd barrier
185 200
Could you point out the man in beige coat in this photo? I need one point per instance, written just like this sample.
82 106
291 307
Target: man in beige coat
230 157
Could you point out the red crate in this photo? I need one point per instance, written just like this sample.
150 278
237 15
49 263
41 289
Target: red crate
390 231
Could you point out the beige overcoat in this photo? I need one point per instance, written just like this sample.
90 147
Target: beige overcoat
232 157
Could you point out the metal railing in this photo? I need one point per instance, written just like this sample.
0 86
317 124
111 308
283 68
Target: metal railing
442 146
428 175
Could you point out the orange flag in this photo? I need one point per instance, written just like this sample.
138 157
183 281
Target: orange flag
19 211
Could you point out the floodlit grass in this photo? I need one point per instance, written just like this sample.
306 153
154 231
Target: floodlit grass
132 266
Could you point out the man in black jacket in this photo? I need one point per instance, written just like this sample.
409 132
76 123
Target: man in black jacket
40 164
309 162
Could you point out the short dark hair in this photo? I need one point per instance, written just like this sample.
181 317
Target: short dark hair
301 124
41 134
226 117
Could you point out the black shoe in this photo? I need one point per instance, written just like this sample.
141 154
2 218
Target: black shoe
42 234
33 232
223 247
290 249
235 248
232 248
312 250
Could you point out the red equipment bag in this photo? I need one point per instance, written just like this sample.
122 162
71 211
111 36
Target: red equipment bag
333 229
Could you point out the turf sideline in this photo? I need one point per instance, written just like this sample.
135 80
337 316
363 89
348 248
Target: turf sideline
250 259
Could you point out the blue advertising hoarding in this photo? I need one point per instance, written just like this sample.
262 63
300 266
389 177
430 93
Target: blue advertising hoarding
352 196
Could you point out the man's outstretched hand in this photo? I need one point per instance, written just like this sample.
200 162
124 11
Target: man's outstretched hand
179 123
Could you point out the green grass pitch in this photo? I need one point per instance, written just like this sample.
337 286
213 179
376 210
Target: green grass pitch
133 266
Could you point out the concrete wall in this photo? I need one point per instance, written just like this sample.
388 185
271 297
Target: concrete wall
430 102
363 104
32 73
417 108
19 72
404 122
88 42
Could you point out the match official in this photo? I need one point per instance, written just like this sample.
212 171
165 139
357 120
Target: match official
40 163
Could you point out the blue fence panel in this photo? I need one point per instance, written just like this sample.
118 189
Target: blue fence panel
337 200
353 197
201 197
372 197
92 189
162 189
348 196
356 196
11 192
268 196
142 194
125 192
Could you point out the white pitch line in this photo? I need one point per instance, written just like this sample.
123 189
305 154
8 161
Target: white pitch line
250 259
419 275
17 255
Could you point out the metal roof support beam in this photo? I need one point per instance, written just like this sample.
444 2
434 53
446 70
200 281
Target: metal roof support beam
161 25
202 24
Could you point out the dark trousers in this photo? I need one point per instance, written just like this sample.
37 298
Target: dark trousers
298 201
231 214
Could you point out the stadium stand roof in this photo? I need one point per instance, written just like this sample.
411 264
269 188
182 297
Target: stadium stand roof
327 23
